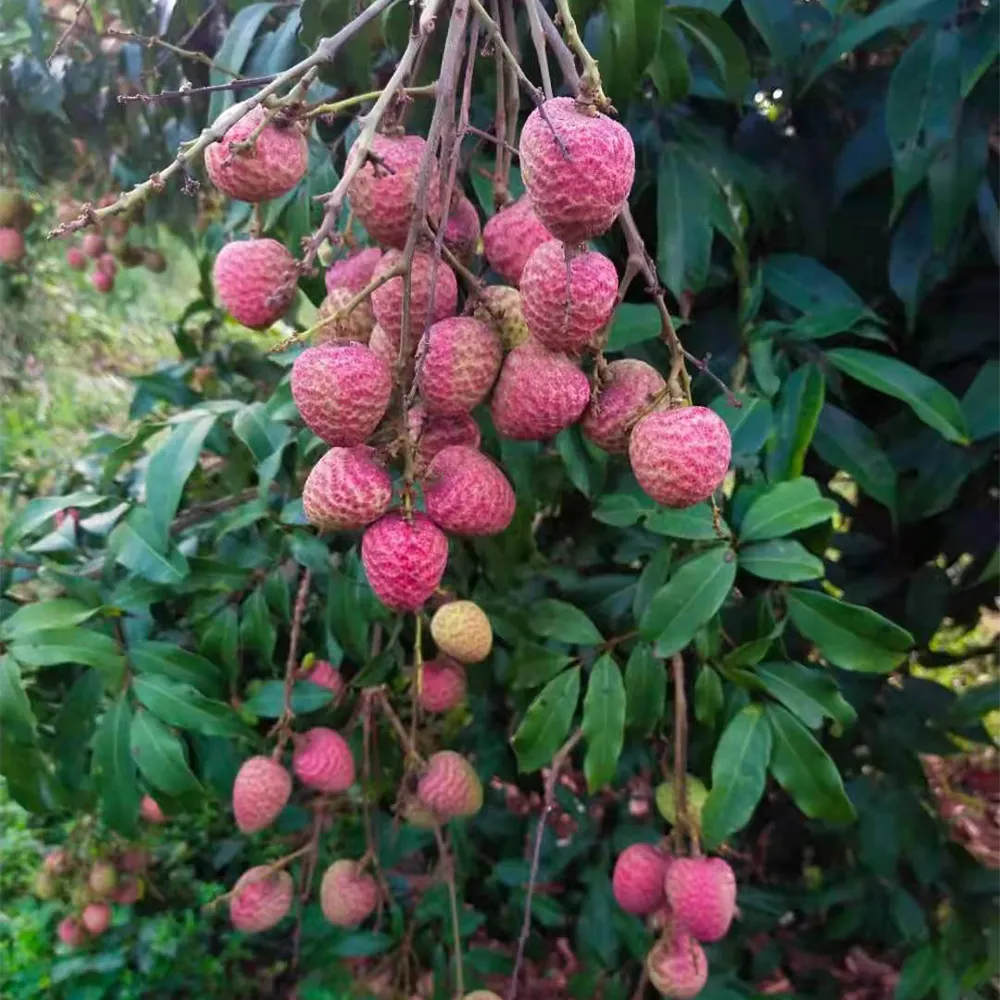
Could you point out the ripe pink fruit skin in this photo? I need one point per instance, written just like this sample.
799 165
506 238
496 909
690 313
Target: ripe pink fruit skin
96 917
127 893
150 810
462 230
255 281
680 457
93 245
344 328
326 675
511 237
538 394
277 162
346 489
383 198
260 792
57 861
383 346
76 259
442 684
466 494
135 860
347 896
432 433
629 387
637 880
702 896
387 299
578 190
11 246
677 966
260 899
323 760
354 272
404 559
450 786
342 391
461 360
107 263
71 932
102 280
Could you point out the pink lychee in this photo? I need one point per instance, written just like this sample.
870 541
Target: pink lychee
135 860
93 245
102 280
340 327
260 899
637 880
450 787
326 675
354 272
323 760
255 281
404 559
346 489
629 386
11 246
441 684
459 362
260 792
466 494
57 861
150 810
702 896
96 917
431 433
386 347
76 259
462 231
677 966
511 237
129 892
347 895
107 263
387 299
71 932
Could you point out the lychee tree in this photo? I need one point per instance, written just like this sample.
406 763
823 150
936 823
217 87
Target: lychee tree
525 597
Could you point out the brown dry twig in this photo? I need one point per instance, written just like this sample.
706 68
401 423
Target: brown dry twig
281 727
78 13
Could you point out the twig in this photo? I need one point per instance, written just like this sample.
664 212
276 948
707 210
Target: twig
197 512
184 92
449 875
513 92
80 8
538 40
409 747
372 95
683 827
190 33
590 83
501 194
291 664
153 40
497 35
560 49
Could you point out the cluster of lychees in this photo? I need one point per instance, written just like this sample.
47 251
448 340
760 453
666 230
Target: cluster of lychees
16 214
693 900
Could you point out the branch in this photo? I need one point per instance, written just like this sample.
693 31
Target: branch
80 8
683 826
178 95
538 40
564 57
590 85
449 875
291 664
150 41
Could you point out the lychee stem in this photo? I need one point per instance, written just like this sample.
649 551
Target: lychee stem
449 875
428 90
590 84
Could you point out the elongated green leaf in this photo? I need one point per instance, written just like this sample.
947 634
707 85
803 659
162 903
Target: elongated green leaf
795 416
809 694
160 755
603 722
268 701
171 465
645 689
559 620
256 628
57 613
653 576
115 770
233 52
75 725
184 706
221 639
844 442
695 523
620 509
180 665
784 509
141 547
669 69
721 45
708 696
684 245
781 559
750 424
72 645
546 723
778 25
534 664
36 512
752 651
806 285
17 721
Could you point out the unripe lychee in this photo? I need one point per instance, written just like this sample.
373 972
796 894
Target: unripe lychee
273 166
499 307
260 899
466 493
432 433
96 917
80 895
567 296
93 245
323 760
630 385
387 299
347 489
441 684
579 183
71 932
354 272
418 815
260 792
15 210
342 391
339 327
45 884
404 559
677 966
347 895
76 259
462 630
102 280
702 896
511 237
11 246
462 231
107 263
450 786
383 194
57 861
637 880
326 675
680 457
154 261
459 364
102 878
538 394
481 995
128 892
255 281
150 810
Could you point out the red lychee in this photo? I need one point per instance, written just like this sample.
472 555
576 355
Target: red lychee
71 932
102 280
462 230
260 899
432 433
450 787
11 246
354 272
255 281
459 363
387 299
107 263
129 892
340 327
404 559
76 259
347 489
677 966
260 792
511 237
630 385
323 760
466 494
441 684
347 895
150 810
637 880
96 917
93 245
326 675
702 896
386 347
135 860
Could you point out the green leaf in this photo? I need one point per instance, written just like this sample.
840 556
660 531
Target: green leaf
928 399
115 770
533 664
57 613
268 701
559 620
38 511
645 690
804 769
75 725
547 721
708 696
739 773
781 559
806 285
694 593
653 576
170 466
221 639
786 508
695 792
795 416
753 651
848 635
603 722
233 52
72 645
749 424
256 629
917 975
669 69
585 464
975 702
17 721
184 706
633 324
844 442
140 546
684 243
172 661
695 523
726 56
809 694
160 756
621 510
776 22
981 403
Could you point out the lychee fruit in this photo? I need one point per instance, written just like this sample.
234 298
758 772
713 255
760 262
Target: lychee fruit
450 787
637 880
273 166
500 308
383 191
11 246
339 327
404 559
677 966
150 810
260 899
255 281
680 457
107 263
260 792
346 489
323 760
462 231
57 861
93 245
702 896
342 391
128 892
71 932
579 183
326 675
135 860
387 299
45 884
347 895
441 684
354 272
96 917
102 878
461 630
481 995
431 433
539 393
386 347
460 362
567 297
466 493
511 237
630 385
15 210
76 259
102 281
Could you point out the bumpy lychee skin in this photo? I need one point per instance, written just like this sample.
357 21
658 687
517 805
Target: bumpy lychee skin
150 810
462 630
102 281
277 162
129 892
500 308
441 685
96 917
326 675
260 792
339 327
382 196
404 559
347 895
76 259
462 231
261 899
631 385
567 299
255 281
71 932
579 184
342 391
680 457
107 263
702 896
386 347
637 880
431 433
511 237
677 966
466 494
460 362
538 394
135 860
354 272
450 786
102 878
11 246
387 299
346 490
323 760
93 245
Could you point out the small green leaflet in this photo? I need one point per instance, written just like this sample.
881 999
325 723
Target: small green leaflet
603 722
160 755
645 689
784 509
58 613
547 721
115 770
781 559
559 620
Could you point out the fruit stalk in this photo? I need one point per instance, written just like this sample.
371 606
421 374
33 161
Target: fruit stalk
449 877
281 727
